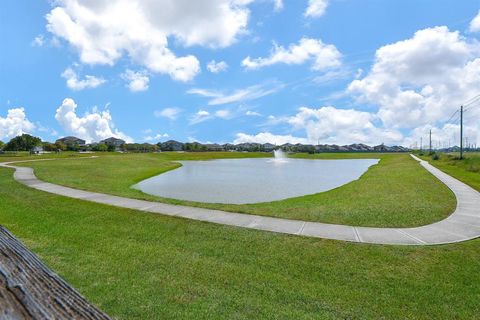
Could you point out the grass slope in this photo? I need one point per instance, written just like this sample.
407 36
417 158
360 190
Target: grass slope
466 170
143 266
397 192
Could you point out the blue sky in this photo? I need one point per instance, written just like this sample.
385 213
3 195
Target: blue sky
328 71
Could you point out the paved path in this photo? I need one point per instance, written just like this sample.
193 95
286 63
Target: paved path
462 225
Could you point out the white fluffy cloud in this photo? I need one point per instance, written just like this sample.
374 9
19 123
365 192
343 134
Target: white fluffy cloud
342 126
316 8
169 113
415 84
75 83
323 56
103 31
328 125
475 23
267 137
15 123
217 67
93 126
136 81
421 80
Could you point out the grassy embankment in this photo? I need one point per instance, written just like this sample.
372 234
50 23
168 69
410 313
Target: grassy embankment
397 192
144 266
466 170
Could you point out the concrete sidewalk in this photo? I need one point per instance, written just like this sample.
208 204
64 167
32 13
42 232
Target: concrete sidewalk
462 225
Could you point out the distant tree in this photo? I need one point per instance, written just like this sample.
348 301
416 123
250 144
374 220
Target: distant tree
73 147
111 148
2 144
47 146
100 147
25 142
60 146
195 147
130 147
140 147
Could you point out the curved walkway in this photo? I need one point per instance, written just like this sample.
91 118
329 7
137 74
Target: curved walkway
462 225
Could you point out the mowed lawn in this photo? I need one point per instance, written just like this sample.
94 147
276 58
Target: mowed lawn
397 192
135 265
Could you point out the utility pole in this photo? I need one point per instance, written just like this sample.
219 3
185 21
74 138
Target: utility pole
430 145
421 144
461 132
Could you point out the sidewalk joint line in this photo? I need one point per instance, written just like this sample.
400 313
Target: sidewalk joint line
411 237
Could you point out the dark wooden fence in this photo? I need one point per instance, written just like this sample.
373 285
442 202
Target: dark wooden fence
30 290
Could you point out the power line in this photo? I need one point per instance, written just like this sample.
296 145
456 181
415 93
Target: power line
472 106
461 132
453 115
470 101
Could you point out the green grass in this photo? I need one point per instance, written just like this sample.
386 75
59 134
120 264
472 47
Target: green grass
23 155
466 170
397 192
135 265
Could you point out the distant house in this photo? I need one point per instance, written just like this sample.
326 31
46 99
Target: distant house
71 141
229 147
114 142
214 147
268 147
380 147
37 150
171 145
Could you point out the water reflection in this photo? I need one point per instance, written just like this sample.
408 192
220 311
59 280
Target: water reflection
241 181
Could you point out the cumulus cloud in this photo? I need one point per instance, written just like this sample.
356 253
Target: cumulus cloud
331 125
475 23
93 126
267 137
15 124
104 31
245 94
217 67
75 83
316 8
422 79
323 56
136 81
169 113
327 125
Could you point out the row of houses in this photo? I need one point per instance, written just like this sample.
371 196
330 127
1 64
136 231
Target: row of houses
173 145
71 141
115 144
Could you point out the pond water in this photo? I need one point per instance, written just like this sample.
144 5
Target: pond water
241 181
